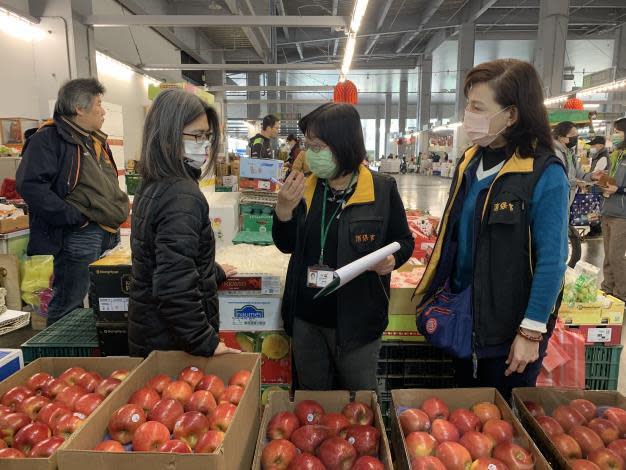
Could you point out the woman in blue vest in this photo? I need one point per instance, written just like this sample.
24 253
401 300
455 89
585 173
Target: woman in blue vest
500 257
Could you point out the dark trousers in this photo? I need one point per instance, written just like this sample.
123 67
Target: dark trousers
320 365
81 247
491 370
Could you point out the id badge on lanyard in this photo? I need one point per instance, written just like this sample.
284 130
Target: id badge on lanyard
319 277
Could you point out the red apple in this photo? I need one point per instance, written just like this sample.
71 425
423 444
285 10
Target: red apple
444 431
88 403
306 462
26 438
585 408
486 463
240 378
500 430
190 427
233 394
67 425
31 406
278 455
486 411
427 463
15 396
618 417
414 420
365 439
107 386
580 464
420 444
514 456
47 447
336 422
435 409
192 375
150 436
607 430
213 384
282 425
587 439
358 413
109 446
175 446
568 417
567 446
3 445
606 459
367 462
550 425
69 395
308 438
167 412
124 422
53 387
209 442
38 381
454 456
11 454
478 444
222 417
535 409
159 382
89 381
145 397
336 453
202 401
179 390
51 412
619 447
309 412
10 424
5 410
119 374
465 420
71 375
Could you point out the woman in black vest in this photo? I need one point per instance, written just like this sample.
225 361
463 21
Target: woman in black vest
502 244
337 215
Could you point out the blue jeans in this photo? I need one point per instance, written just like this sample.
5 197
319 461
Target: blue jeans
81 247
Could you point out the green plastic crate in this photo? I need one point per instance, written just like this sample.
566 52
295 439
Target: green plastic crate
74 335
133 180
602 367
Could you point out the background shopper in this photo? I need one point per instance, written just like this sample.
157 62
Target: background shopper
261 144
68 178
599 154
297 155
565 136
503 239
173 296
339 214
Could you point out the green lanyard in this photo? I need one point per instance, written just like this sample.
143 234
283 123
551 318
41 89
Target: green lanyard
326 229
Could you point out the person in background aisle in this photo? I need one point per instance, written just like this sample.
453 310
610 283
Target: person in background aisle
503 239
68 178
337 215
173 296
613 185
261 144
599 154
565 137
297 156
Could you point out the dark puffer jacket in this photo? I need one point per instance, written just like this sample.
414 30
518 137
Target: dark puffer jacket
173 297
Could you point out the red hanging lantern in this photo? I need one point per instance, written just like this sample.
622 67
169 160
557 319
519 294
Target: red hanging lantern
573 103
346 92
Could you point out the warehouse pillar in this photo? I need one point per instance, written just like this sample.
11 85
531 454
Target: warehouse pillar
619 52
388 105
551 43
465 62
272 108
423 94
403 101
254 110
377 151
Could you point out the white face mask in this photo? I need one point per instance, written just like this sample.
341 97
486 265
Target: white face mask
593 151
195 153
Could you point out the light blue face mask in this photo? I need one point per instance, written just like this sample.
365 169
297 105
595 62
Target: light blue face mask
617 139
195 153
321 163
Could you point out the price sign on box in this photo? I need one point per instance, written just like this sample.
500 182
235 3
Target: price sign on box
599 335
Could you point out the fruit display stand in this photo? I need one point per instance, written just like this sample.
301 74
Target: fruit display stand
239 442
549 399
331 402
456 398
55 366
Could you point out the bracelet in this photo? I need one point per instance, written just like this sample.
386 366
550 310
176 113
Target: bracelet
534 339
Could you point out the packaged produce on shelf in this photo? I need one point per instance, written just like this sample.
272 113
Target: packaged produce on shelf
581 284
224 215
260 168
267 260
423 227
256 184
250 313
256 218
251 284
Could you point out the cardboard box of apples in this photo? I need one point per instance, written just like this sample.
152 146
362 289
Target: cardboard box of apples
45 402
576 429
322 430
459 429
175 411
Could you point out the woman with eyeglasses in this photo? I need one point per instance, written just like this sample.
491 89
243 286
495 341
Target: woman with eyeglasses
337 215
173 296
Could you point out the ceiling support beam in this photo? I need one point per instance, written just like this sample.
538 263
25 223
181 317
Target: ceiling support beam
432 7
383 14
402 63
292 88
218 21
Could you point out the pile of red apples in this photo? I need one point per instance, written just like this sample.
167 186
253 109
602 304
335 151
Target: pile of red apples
589 437
38 416
311 439
188 415
478 439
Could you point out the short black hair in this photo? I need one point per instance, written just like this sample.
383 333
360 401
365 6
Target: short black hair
269 121
562 129
292 138
338 125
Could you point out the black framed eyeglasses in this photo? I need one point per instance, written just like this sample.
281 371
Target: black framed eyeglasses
202 137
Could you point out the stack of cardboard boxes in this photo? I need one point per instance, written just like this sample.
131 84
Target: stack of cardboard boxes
227 174
599 322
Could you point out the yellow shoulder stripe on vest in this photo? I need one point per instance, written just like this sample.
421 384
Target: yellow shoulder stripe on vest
363 193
